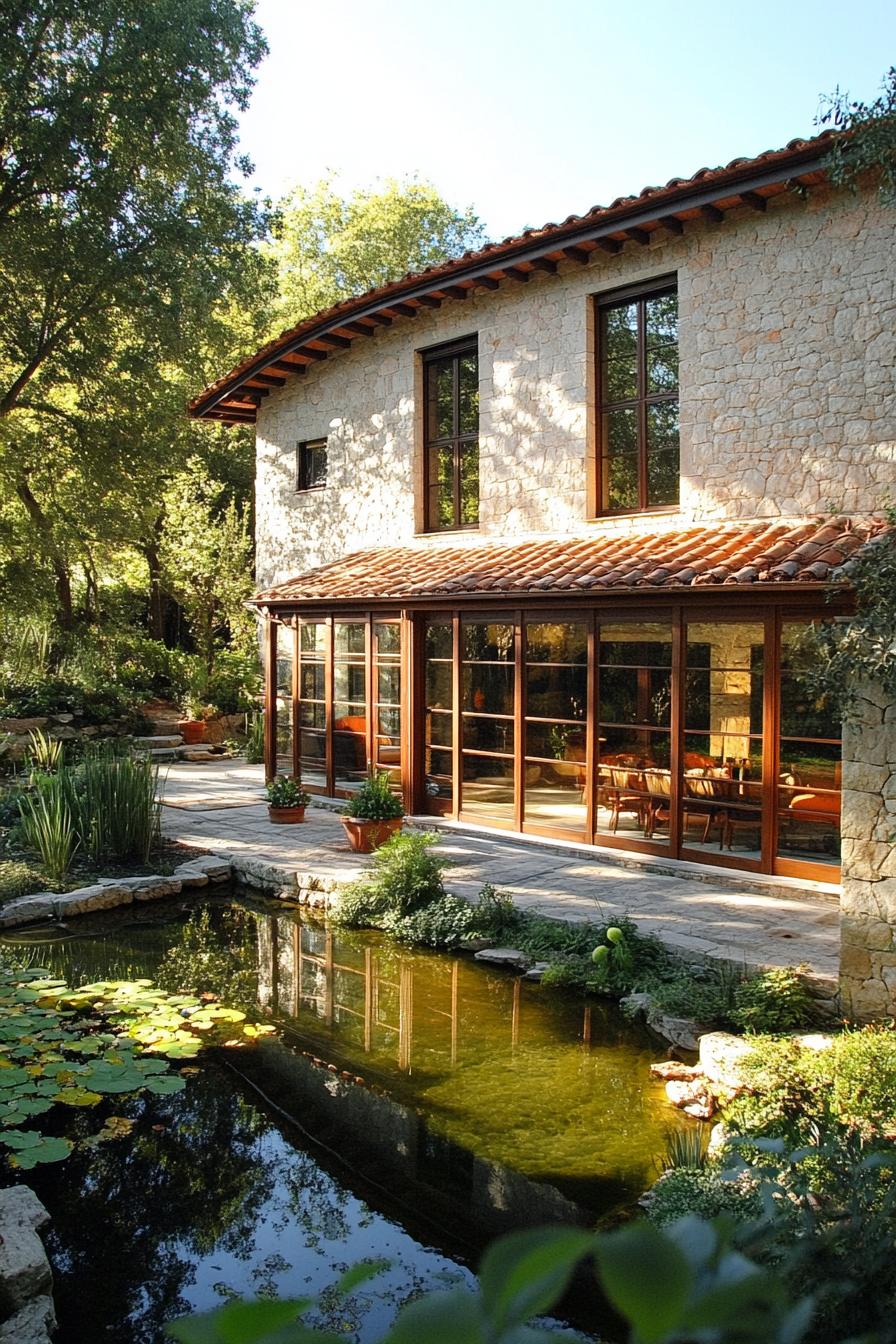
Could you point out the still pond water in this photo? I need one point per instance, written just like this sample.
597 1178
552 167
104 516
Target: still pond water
413 1106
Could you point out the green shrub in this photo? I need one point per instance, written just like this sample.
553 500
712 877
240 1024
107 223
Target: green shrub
406 873
235 682
19 879
776 1000
286 792
444 922
375 801
703 1194
54 695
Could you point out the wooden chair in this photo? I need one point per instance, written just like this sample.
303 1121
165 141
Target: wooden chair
619 786
743 810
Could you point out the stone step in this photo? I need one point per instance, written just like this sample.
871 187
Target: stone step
158 742
160 754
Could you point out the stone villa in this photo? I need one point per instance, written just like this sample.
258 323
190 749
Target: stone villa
540 531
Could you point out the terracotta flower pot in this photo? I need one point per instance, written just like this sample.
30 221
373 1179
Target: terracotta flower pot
284 816
365 836
192 731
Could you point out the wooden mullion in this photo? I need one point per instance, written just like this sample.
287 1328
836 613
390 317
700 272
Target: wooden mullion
270 699
519 721
642 404
456 727
296 764
329 716
455 445
676 742
771 745
371 681
591 729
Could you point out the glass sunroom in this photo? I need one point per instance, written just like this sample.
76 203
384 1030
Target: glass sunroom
677 720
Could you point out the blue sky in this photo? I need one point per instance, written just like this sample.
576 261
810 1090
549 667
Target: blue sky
531 111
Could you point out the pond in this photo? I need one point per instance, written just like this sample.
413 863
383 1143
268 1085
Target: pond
413 1105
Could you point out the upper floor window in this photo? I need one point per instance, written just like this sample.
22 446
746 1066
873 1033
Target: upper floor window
311 465
451 436
638 461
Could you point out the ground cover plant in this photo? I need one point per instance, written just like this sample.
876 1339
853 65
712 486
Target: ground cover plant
405 896
65 1047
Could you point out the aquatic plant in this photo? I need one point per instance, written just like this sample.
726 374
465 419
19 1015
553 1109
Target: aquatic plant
44 752
47 824
71 1047
117 807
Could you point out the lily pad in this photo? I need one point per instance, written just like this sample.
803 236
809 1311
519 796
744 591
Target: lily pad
48 1150
77 1096
164 1084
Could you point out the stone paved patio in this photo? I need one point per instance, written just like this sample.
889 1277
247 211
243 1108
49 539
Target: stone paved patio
736 916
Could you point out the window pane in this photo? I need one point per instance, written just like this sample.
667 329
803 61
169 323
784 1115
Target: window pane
488 688
440 376
485 732
349 638
487 788
469 485
388 639
439 767
662 369
662 478
662 426
313 637
622 482
468 373
439 728
621 432
312 464
442 506
556 741
439 639
550 642
311 681
555 795
621 380
312 714
661 320
349 683
621 332
438 685
809 780
439 723
485 641
389 684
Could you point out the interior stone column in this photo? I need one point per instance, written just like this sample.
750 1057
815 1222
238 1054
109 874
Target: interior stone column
868 900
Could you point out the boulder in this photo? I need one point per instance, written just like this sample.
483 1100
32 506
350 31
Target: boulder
635 1005
102 896
34 1324
504 956
691 1096
681 1031
22 725
24 1268
151 888
265 876
28 909
721 1056
672 1069
216 865
536 972
189 875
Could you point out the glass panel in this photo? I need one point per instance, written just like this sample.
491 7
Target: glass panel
313 465
662 369
349 639
388 680
469 394
662 479
555 795
349 744
469 486
349 683
441 501
313 637
487 788
311 681
283 720
440 374
810 756
312 714
487 642
556 741
662 426
438 731
633 786
722 762
621 380
661 321
621 332
313 758
487 732
388 639
621 432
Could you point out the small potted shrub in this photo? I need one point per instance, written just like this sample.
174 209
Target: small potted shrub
287 800
192 726
372 814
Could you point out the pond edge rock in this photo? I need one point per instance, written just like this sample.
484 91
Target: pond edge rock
26 1280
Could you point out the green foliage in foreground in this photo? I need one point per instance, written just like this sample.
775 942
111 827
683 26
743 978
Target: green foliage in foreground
798 1094
375 801
690 1282
71 1047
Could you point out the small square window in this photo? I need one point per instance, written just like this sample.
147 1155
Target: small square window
311 465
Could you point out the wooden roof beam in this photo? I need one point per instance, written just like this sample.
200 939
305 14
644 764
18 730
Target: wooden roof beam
576 254
544 264
754 200
712 212
292 367
609 245
457 291
516 273
404 309
429 301
672 223
358 328
380 319
333 341
268 378
486 282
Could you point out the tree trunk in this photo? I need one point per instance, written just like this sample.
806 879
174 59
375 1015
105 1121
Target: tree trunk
65 609
156 592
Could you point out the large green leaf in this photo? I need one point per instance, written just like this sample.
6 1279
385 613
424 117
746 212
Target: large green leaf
525 1273
646 1277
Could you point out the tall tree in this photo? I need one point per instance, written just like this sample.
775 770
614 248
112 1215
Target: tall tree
120 222
329 247
870 143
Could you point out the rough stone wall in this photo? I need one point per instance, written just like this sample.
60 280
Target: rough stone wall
868 899
787 399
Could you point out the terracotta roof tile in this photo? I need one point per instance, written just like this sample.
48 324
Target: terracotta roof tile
728 553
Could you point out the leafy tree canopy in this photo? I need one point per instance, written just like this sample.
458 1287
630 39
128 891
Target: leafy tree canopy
328 247
870 145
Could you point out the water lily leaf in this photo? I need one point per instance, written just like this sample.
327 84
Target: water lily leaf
12 1076
48 1150
165 1084
22 1107
18 1139
77 1096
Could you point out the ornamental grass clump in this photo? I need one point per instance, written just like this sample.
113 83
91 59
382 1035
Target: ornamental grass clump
47 823
118 810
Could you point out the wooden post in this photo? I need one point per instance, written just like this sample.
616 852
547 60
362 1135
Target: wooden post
368 999
270 698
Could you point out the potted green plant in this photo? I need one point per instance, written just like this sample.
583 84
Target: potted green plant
287 800
192 726
372 814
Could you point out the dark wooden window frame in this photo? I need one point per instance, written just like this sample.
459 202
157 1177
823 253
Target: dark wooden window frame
459 443
304 451
616 298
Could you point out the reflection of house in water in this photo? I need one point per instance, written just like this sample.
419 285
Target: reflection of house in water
475 1095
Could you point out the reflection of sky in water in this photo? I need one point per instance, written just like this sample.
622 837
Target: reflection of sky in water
305 1235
